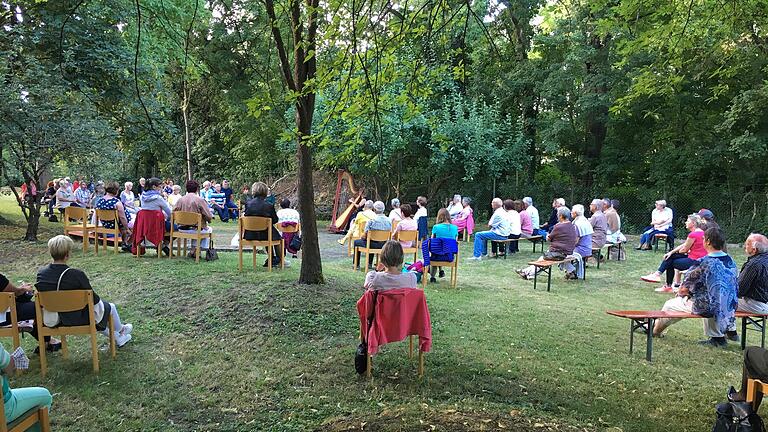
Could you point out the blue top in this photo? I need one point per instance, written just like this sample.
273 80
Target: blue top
445 230
379 223
218 198
227 193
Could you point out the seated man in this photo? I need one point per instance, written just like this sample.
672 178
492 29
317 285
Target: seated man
583 241
753 280
553 218
661 223
455 207
379 223
500 229
83 196
599 225
229 203
612 218
359 221
193 203
219 203
709 289
533 212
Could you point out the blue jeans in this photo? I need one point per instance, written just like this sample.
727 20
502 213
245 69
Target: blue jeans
676 261
223 213
24 399
232 208
481 241
649 232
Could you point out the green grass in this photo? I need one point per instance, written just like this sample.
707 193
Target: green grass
219 350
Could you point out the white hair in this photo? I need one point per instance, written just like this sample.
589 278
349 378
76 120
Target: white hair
378 207
457 197
662 203
466 200
395 203
368 205
497 201
206 184
528 200
578 209
560 201
128 184
598 203
759 242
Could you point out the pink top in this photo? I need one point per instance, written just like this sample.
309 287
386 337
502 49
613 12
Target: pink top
526 225
697 250
406 225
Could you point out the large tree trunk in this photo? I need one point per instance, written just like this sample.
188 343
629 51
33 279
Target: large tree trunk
33 223
311 261
596 122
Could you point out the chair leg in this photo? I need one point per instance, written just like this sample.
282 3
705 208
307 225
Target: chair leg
254 257
116 234
282 257
64 347
424 273
240 258
112 342
94 353
45 421
41 348
197 252
97 244
410 346
85 241
421 363
369 368
269 258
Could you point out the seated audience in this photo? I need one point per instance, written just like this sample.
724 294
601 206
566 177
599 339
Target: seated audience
584 238
753 278
709 289
526 224
20 400
599 225
514 231
98 194
455 207
245 195
395 215
359 222
661 223
25 309
175 195
127 197
533 213
234 210
58 276
612 218
682 257
258 206
391 276
64 196
500 229
206 192
218 202
406 224
562 240
83 195
111 202
421 212
194 203
466 218
379 223
443 228
553 218
709 218
152 199
286 213
142 187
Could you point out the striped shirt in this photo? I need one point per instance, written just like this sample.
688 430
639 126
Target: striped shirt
218 198
753 279
83 197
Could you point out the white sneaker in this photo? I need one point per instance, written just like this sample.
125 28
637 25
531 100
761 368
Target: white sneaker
122 339
474 258
287 263
126 330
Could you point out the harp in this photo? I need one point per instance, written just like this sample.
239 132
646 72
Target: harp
339 220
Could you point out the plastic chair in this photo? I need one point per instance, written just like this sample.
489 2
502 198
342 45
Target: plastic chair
194 219
258 223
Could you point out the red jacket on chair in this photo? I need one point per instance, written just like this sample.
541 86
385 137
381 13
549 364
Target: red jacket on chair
150 226
399 313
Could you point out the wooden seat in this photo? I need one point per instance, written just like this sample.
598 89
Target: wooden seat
367 250
69 301
288 229
35 416
8 302
659 237
411 236
194 219
107 216
545 266
360 230
755 387
258 223
453 266
76 222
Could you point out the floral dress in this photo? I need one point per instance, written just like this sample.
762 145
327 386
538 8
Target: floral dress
110 204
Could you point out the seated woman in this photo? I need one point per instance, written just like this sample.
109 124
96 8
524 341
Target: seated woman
174 196
710 289
258 206
396 214
455 207
443 228
562 240
25 310
681 257
515 229
58 276
127 197
466 218
661 223
288 216
111 202
390 274
152 199
19 401
526 222
406 224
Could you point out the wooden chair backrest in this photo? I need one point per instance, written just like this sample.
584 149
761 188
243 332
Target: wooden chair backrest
379 235
255 223
64 301
7 301
361 225
107 215
288 229
394 224
410 235
187 218
77 214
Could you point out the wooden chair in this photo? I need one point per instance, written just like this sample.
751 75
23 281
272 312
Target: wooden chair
394 224
360 229
659 237
107 216
37 415
755 387
453 265
288 229
372 235
413 237
8 301
257 223
69 301
76 223
194 219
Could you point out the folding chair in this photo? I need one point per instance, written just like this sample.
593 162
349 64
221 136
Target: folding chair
411 236
80 218
37 415
69 301
194 219
288 229
257 223
8 302
372 235
453 265
107 216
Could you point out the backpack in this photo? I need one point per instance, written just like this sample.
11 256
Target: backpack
737 417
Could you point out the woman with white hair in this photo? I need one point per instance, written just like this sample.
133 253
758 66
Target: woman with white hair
599 224
395 215
584 233
661 223
455 207
466 219
127 197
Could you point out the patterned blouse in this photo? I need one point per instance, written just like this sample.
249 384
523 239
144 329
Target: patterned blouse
111 204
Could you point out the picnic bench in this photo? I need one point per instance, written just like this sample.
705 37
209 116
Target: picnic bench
544 266
597 252
537 239
659 237
643 322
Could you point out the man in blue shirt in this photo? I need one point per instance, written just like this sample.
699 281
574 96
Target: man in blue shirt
228 201
500 229
379 223
219 203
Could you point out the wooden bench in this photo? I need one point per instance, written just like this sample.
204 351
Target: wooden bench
643 322
545 266
533 239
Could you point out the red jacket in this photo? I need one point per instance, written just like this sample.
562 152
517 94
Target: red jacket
150 226
399 313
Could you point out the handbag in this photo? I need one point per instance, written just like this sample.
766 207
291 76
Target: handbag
737 417
51 319
211 254
361 355
554 256
295 243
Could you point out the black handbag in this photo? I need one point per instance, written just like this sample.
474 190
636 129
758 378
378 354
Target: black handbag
554 256
295 243
737 417
361 355
211 254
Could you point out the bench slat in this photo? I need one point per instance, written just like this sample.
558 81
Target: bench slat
638 314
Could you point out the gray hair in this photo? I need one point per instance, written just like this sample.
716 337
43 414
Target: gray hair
759 242
497 201
598 203
560 201
395 203
368 205
607 203
528 200
378 207
466 200
578 209
457 197
662 203
564 212
128 184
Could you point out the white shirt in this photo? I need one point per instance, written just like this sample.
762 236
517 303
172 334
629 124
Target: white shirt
395 215
500 223
583 227
515 226
383 281
534 212
658 216
287 215
454 209
420 213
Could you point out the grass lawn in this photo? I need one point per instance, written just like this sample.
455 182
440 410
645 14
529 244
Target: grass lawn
219 350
